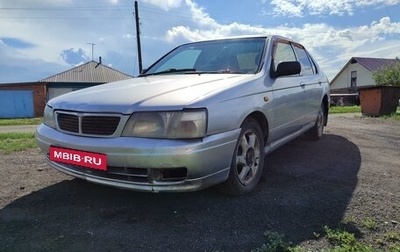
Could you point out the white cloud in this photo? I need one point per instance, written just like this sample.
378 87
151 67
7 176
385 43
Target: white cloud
385 26
53 26
199 15
288 7
165 24
299 8
376 2
74 56
331 46
165 4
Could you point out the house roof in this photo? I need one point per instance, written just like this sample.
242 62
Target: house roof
90 72
371 64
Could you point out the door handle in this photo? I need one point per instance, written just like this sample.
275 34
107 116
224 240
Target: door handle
303 85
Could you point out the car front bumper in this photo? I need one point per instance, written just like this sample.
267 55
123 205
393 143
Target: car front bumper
142 164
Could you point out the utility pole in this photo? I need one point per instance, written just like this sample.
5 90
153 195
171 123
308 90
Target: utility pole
139 47
92 48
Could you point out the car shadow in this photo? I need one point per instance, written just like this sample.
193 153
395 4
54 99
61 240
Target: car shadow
306 185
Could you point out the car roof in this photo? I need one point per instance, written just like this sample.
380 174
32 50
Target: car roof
240 37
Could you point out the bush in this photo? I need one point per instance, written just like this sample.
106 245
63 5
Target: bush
388 75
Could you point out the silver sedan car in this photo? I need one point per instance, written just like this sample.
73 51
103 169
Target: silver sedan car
204 114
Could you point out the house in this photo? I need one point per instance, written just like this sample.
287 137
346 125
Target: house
356 73
25 100
86 75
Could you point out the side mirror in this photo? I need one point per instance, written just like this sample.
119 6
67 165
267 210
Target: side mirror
288 68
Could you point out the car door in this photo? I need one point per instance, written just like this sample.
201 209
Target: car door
288 94
311 82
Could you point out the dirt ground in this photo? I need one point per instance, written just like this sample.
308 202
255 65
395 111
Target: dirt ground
352 173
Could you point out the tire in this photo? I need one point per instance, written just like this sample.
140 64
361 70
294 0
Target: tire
316 132
247 160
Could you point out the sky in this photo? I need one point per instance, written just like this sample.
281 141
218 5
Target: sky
40 38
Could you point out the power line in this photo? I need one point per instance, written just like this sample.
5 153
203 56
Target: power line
78 8
29 17
35 12
169 13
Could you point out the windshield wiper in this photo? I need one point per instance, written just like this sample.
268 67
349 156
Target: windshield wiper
221 72
192 71
172 70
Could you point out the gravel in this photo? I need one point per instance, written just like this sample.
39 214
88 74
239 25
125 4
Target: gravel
352 174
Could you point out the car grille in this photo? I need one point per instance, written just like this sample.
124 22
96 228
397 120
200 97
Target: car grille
88 124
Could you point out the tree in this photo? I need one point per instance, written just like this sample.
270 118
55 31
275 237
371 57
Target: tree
388 75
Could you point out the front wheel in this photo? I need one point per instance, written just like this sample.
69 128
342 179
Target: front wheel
247 161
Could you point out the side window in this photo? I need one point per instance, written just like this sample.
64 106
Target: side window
283 52
305 62
314 67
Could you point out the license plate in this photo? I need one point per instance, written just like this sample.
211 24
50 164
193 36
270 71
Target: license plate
90 160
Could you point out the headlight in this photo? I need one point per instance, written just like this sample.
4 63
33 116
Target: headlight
48 117
172 125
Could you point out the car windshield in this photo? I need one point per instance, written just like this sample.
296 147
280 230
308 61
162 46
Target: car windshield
242 56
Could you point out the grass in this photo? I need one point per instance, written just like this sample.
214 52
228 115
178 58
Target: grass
21 121
11 142
338 240
395 116
357 109
274 242
369 223
344 109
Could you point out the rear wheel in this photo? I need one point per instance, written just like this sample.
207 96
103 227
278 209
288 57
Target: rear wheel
316 132
247 161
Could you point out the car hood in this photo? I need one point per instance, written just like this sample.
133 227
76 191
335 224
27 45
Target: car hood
166 92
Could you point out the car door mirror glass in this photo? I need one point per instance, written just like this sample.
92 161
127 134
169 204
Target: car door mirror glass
288 68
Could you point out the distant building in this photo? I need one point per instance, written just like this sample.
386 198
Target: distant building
24 100
89 74
358 72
